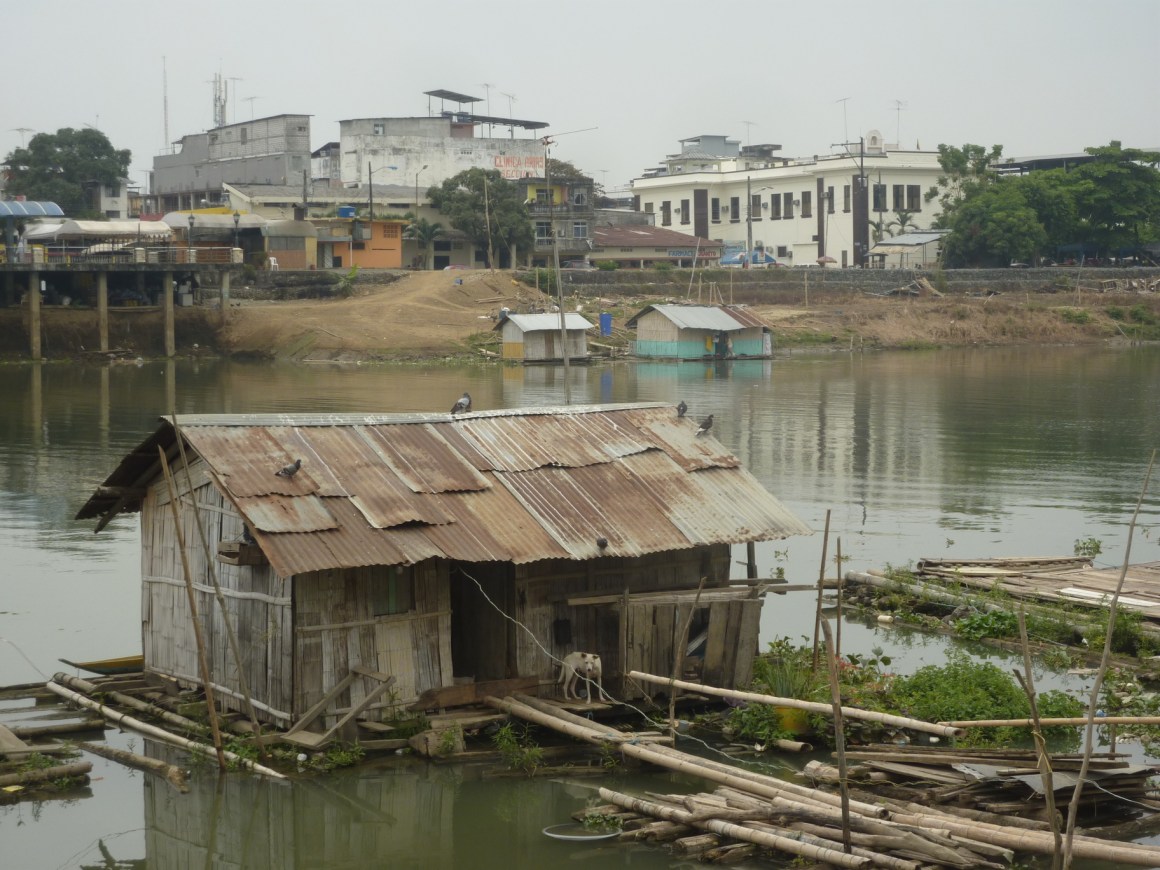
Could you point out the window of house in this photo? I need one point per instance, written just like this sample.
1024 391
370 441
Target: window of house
829 200
913 197
380 129
626 250
775 207
782 251
112 214
715 210
390 231
686 215
880 197
244 135
648 208
787 205
392 590
213 137
543 195
734 209
579 197
666 213
442 245
543 229
112 190
843 259
899 196
846 198
580 229
755 206
807 204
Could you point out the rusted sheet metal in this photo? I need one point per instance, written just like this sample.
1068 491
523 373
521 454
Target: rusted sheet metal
423 460
745 316
677 437
714 505
577 506
376 490
523 444
353 544
246 460
492 525
278 513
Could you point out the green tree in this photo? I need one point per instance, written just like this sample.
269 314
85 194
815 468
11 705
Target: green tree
879 230
57 166
994 227
1117 196
499 222
904 222
1050 197
424 233
965 171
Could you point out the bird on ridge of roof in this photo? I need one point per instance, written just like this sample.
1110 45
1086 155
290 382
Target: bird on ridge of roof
289 470
462 404
706 425
682 408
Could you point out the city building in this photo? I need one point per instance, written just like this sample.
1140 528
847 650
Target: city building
272 151
109 200
643 247
694 332
798 209
562 215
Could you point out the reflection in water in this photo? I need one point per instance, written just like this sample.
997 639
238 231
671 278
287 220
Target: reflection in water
959 453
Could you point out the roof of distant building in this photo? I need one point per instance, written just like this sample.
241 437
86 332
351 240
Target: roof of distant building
645 236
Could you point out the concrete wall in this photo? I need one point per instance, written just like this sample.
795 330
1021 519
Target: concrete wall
766 286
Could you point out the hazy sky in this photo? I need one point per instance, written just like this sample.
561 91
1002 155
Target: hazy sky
1035 76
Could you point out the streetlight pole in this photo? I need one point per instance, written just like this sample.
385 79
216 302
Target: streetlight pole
237 220
748 222
189 241
424 166
370 193
861 205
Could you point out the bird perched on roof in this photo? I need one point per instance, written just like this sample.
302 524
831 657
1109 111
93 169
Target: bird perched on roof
462 404
682 408
706 425
289 470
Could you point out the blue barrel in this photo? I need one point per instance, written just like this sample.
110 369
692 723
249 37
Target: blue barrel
346 211
605 323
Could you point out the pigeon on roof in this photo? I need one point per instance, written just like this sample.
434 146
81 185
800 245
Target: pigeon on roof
706 425
289 470
462 404
682 408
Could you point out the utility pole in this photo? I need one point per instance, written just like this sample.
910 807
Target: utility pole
487 220
861 216
748 222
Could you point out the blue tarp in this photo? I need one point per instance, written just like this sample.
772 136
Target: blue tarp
757 258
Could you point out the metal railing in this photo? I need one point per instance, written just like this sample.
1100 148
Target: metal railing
111 255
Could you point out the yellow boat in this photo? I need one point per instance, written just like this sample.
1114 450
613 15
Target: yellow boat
110 667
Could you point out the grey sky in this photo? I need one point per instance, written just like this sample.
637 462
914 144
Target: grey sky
1036 76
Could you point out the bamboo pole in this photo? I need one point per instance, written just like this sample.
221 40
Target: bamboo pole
682 642
172 774
1097 684
157 733
1050 721
210 563
839 728
202 662
26 731
942 729
737 832
1042 757
841 589
821 584
91 689
46 774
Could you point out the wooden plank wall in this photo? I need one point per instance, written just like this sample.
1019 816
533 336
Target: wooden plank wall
336 629
257 600
544 587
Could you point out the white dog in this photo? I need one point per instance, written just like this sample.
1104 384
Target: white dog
581 666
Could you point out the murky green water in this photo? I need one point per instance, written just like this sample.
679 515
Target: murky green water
983 452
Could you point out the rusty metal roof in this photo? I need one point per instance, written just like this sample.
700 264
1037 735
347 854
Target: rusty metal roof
514 485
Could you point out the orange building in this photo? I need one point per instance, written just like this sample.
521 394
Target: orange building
346 242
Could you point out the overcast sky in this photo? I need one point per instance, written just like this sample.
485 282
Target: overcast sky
1035 76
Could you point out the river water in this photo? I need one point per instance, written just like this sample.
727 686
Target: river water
968 453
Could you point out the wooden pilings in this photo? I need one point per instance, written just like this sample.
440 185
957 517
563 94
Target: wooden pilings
103 311
33 297
167 307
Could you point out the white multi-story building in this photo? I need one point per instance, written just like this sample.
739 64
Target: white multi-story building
798 209
428 150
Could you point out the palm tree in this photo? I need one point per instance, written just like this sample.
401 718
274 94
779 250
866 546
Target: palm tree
878 230
424 233
904 222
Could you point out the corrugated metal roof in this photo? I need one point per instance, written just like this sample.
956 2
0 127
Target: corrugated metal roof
513 486
716 318
540 322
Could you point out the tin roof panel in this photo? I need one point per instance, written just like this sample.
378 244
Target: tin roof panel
422 459
246 460
279 513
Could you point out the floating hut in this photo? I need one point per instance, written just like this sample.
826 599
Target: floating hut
426 559
535 338
693 332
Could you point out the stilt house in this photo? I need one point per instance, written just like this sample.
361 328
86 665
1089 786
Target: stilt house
535 338
445 552
694 332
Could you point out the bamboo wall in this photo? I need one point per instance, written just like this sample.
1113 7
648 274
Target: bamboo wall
336 629
542 590
257 600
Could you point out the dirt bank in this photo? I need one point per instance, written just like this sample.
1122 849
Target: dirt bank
428 315
450 313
